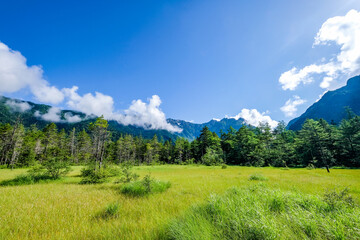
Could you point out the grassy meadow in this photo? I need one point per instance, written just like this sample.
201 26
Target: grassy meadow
65 209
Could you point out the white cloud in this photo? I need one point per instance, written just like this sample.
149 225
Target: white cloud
343 31
290 107
98 105
16 75
146 115
72 118
255 118
54 115
18 106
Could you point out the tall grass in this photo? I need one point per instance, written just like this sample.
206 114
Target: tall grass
64 209
261 213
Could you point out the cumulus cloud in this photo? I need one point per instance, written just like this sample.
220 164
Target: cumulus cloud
18 106
98 104
255 118
290 107
15 75
146 115
54 115
344 31
69 117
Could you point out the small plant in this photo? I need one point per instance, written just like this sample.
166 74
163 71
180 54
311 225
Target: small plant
258 177
147 182
145 187
310 166
111 211
224 166
126 174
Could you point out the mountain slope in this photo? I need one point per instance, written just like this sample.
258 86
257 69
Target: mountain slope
332 106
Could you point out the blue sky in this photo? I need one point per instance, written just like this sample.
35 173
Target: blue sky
204 59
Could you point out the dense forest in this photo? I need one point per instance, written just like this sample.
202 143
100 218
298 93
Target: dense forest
317 144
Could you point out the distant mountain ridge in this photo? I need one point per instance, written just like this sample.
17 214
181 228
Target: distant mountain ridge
192 130
32 115
332 106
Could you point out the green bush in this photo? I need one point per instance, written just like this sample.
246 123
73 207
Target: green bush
50 170
257 177
260 213
126 174
93 175
56 168
145 187
224 166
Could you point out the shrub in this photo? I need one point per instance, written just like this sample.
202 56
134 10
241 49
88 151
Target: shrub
260 213
92 175
223 166
257 177
126 174
56 168
145 187
50 170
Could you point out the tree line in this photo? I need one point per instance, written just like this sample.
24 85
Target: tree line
317 144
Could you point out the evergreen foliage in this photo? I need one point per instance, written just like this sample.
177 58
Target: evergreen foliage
318 144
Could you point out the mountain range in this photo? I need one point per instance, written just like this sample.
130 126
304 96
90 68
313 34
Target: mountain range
41 115
331 107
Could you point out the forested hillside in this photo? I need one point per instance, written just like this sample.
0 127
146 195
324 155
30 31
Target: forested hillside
317 144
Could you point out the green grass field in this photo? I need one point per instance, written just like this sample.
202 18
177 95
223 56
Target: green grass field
65 209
